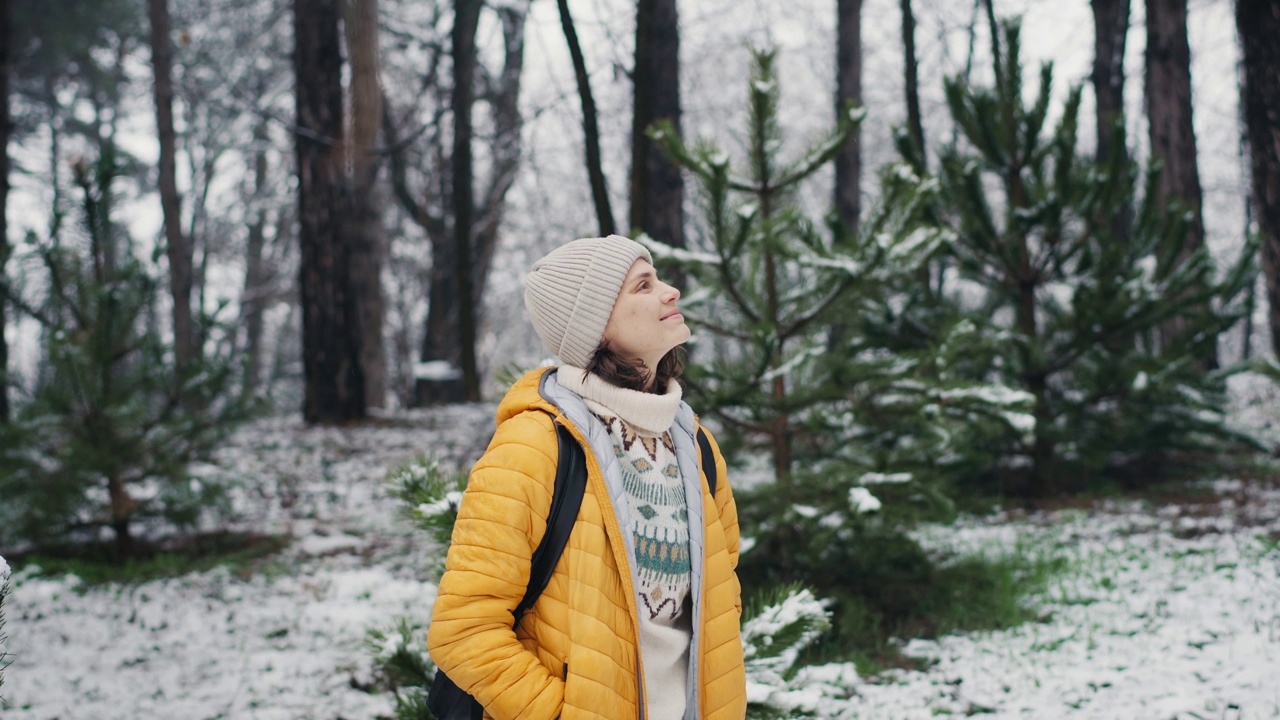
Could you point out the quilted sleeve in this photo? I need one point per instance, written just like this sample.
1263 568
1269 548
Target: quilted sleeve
500 521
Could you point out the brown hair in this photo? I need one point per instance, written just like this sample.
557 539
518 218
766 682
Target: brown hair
633 374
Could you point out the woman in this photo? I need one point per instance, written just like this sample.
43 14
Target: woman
641 616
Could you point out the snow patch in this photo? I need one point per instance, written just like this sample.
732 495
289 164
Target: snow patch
863 501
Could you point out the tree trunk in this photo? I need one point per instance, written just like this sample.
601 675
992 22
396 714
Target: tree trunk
848 162
911 66
253 300
595 172
334 377
1258 22
1110 30
441 343
1173 140
364 219
122 509
177 247
6 69
657 190
848 197
507 148
466 18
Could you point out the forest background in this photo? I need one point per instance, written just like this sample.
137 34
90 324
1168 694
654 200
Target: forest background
969 294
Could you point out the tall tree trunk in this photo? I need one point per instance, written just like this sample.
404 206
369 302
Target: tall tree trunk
911 67
253 302
178 249
848 197
1110 30
848 162
466 18
6 69
334 377
507 148
1173 140
364 219
590 127
1258 22
657 190
441 343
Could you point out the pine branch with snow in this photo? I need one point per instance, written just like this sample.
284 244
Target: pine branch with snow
403 667
788 620
429 495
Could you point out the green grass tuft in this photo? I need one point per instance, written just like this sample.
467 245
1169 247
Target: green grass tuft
245 554
900 594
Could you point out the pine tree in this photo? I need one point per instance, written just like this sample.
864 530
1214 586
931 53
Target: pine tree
863 425
106 437
1068 310
880 403
768 285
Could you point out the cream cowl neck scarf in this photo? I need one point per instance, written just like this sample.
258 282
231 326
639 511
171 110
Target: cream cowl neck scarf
646 413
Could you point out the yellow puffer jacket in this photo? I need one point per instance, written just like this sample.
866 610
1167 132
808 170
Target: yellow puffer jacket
576 652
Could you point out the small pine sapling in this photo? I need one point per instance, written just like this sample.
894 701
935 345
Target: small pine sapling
111 427
429 496
403 667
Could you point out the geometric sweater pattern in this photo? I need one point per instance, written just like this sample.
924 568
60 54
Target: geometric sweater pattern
659 518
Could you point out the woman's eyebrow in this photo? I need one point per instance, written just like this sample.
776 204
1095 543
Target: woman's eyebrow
646 275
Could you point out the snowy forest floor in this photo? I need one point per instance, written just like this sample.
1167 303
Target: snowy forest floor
1166 608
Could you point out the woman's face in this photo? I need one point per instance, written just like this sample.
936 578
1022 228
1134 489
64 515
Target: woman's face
645 322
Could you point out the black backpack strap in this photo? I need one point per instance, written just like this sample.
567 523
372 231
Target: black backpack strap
708 460
571 484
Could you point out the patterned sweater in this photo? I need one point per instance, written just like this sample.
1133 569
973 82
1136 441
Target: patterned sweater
639 424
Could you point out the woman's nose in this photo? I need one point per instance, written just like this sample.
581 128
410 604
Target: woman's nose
672 293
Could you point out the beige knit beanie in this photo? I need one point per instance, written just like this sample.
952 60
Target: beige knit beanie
570 293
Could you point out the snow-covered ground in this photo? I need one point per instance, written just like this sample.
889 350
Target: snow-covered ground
1166 611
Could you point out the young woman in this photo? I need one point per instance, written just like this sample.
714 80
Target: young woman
641 616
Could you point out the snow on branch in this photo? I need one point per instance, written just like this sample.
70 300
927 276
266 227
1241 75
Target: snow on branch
663 251
773 640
